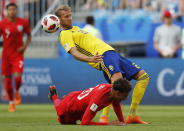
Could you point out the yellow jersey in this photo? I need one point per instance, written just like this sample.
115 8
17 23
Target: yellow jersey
84 42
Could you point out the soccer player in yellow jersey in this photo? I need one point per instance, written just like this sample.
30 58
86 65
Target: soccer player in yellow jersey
84 47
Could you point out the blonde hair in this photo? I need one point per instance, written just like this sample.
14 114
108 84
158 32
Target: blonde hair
62 8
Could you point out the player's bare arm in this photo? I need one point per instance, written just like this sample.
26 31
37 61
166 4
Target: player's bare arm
90 114
79 56
156 46
118 111
23 48
178 46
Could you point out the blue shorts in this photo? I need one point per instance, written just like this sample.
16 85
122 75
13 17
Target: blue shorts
113 62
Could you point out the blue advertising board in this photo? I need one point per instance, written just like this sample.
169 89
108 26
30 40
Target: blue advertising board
166 85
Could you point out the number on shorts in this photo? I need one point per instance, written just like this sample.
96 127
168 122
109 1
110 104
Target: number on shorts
136 65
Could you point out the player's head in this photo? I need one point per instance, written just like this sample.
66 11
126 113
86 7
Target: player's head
121 89
65 15
90 20
167 17
11 10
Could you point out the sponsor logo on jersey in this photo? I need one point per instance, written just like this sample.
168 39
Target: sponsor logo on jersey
20 28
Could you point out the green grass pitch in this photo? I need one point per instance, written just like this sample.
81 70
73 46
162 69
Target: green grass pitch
43 118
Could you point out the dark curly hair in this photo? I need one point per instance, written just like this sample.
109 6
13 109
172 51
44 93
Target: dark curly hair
122 85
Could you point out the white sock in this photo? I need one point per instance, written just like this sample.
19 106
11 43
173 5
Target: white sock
11 102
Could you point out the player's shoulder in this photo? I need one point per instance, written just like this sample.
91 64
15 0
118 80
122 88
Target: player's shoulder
3 21
22 20
69 31
76 28
160 27
104 86
176 27
101 91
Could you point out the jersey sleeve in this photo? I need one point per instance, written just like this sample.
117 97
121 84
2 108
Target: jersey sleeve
66 40
90 113
27 28
118 111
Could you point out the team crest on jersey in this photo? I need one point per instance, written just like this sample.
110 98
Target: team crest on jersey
20 28
111 67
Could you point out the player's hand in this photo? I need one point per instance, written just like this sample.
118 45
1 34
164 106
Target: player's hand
175 50
96 58
22 49
117 123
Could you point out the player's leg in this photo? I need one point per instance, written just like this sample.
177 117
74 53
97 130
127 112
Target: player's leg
132 71
18 66
6 69
9 90
63 119
140 87
18 84
54 97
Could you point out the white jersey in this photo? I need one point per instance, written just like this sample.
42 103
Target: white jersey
93 31
167 38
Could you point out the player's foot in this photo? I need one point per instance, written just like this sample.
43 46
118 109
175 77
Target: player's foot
17 98
135 120
103 119
52 91
11 108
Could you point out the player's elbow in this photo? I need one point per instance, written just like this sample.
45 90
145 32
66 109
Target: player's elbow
74 53
75 56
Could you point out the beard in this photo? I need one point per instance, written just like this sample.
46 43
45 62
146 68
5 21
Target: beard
67 26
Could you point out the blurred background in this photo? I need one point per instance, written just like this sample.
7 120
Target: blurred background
127 25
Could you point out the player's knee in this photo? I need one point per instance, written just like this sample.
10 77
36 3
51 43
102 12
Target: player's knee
144 79
18 81
138 75
17 74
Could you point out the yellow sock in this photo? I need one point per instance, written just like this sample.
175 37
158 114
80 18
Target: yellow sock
106 110
138 93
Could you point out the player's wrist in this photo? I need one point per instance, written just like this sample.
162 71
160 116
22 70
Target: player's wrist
90 59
